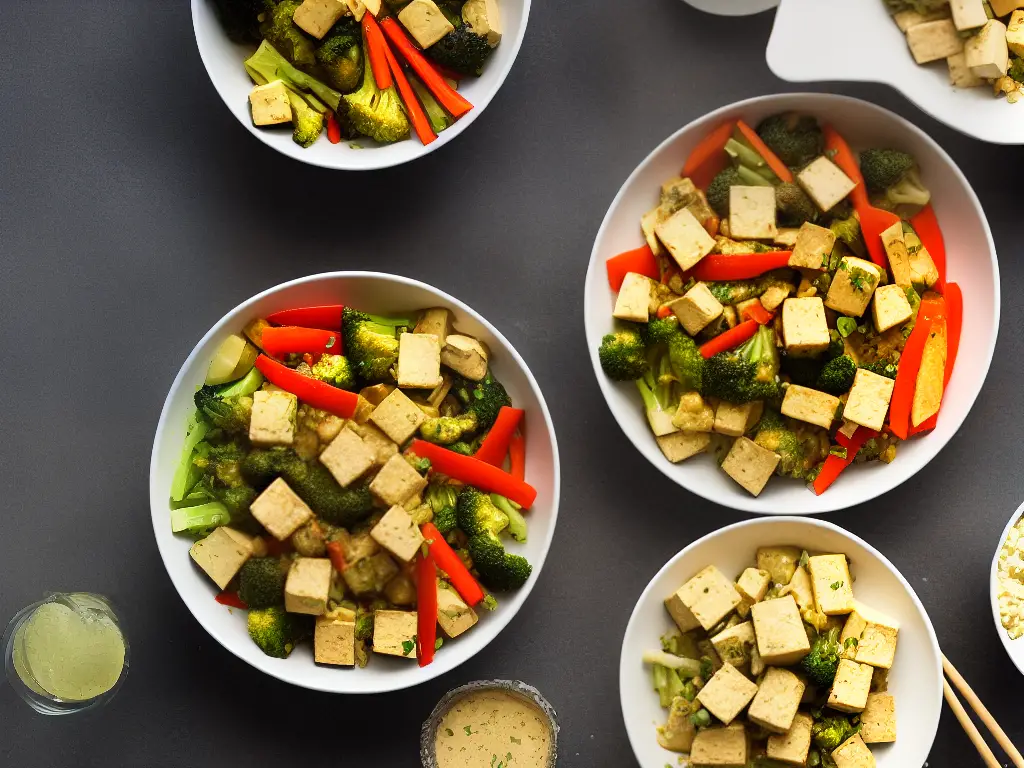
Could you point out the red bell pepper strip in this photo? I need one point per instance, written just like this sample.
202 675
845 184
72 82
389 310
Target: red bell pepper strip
640 260
494 448
446 96
310 391
426 608
663 312
740 266
926 225
906 378
279 341
834 465
376 52
232 600
756 312
326 318
336 553
471 471
778 167
731 338
846 442
517 456
708 158
333 129
448 561
413 108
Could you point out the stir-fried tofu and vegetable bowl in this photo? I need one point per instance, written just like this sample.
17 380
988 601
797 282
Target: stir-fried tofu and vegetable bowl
355 481
362 70
788 312
781 665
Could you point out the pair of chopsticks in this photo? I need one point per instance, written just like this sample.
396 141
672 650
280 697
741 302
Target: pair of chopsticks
983 714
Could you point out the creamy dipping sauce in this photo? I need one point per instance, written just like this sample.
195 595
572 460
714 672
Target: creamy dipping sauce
488 729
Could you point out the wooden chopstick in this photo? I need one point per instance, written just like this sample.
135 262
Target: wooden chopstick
983 714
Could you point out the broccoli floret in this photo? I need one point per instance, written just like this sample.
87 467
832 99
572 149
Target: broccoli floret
718 190
847 231
280 31
794 206
837 375
774 434
886 368
831 731
340 55
499 570
623 355
308 122
894 176
484 398
443 499
240 18
476 513
364 625
230 414
749 372
796 139
684 358
445 430
376 113
371 344
461 50
276 632
261 582
801 370
335 370
823 660
1016 70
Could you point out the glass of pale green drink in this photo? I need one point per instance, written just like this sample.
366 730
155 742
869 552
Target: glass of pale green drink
66 654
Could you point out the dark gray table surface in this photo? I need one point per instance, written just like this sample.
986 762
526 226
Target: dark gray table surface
135 211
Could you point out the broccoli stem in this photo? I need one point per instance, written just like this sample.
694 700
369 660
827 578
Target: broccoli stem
199 519
516 521
185 476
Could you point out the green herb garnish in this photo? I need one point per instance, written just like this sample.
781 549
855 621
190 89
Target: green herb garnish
836 585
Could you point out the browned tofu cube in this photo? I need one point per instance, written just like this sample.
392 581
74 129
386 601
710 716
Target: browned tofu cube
851 687
750 465
720 747
727 693
398 416
221 555
679 446
334 641
280 510
703 601
347 457
308 585
793 746
853 753
813 247
696 309
781 639
878 720
397 481
777 700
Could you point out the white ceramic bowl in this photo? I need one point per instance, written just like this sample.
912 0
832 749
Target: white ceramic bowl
381 294
1014 648
733 7
223 60
803 49
916 677
971 263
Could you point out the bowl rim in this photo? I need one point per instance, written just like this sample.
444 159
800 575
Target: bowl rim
754 504
443 138
811 522
1014 648
497 623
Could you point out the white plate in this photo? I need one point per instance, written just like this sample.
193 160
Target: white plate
733 7
380 294
971 263
1014 648
916 677
223 60
803 49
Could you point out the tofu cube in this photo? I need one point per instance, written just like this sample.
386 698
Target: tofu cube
804 327
781 639
776 294
398 534
735 419
634 300
484 19
778 698
1004 7
307 586
696 309
793 746
1015 33
468 357
753 584
727 693
894 242
453 614
833 587
853 753
685 239
987 53
419 361
693 414
270 104
436 321
890 307
280 510
394 633
786 237
425 22
934 40
752 213
648 222
347 457
221 555
273 417
852 287
359 8
734 644
680 446
869 400
382 446
397 481
316 17
750 465
813 247
719 747
810 405
968 14
878 720
334 641
703 601
873 635
824 183
398 416
961 75
851 687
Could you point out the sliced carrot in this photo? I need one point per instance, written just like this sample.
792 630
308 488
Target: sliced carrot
640 260
495 446
333 129
376 52
448 98
517 455
778 167
730 339
926 225
413 108
708 158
